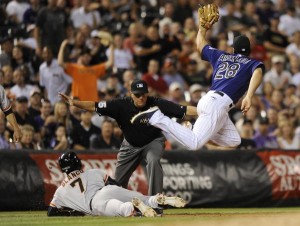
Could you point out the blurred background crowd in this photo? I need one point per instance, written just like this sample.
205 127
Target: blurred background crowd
117 41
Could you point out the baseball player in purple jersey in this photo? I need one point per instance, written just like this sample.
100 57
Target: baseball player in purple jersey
92 192
6 108
233 75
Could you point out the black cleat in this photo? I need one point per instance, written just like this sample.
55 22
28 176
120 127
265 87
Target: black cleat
143 117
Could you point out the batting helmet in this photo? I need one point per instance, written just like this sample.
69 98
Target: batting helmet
69 162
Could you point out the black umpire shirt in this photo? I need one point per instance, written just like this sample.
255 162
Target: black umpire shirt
123 109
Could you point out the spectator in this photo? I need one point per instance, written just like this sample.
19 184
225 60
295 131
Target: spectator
182 11
277 100
128 77
265 12
85 76
176 93
83 132
230 22
278 76
4 142
196 91
295 70
154 80
294 47
123 57
262 138
27 140
8 77
19 61
98 50
266 97
193 75
136 33
106 139
149 48
171 44
189 29
22 115
75 48
290 98
273 40
287 139
52 77
15 9
45 112
20 88
289 22
31 13
85 15
60 141
272 115
171 74
51 24
60 117
247 132
35 102
6 51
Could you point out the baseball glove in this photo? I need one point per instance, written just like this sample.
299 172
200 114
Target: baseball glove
208 15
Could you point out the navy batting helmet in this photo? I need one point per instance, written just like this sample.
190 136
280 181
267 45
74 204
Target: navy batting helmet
69 162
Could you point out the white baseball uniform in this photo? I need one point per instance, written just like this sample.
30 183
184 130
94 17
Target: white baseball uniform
213 124
85 191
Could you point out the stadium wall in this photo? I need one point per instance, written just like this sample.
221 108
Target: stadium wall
236 178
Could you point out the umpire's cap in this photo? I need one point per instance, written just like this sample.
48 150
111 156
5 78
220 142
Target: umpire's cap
139 87
241 44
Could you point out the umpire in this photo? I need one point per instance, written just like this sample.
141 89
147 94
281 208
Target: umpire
140 142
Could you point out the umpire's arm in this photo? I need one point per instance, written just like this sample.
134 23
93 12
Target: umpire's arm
86 105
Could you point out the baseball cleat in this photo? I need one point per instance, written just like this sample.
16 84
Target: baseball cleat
171 201
144 116
147 211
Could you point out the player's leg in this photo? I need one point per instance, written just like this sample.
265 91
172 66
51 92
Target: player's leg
228 136
113 208
152 154
208 122
117 201
127 161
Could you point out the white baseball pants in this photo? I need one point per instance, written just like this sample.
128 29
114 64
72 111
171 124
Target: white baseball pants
212 124
113 200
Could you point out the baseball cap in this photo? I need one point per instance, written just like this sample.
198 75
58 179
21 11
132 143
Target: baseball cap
241 44
139 87
174 85
94 34
22 99
278 59
195 87
35 91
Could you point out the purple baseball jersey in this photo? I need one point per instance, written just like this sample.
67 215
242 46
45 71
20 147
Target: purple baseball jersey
231 72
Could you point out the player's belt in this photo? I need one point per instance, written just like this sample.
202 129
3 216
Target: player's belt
91 201
222 94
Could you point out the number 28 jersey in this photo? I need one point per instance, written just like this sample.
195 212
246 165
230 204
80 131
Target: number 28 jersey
77 190
231 72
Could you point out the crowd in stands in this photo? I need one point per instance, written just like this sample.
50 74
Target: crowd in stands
92 50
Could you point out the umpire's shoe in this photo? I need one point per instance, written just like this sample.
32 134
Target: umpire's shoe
144 116
147 211
171 201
